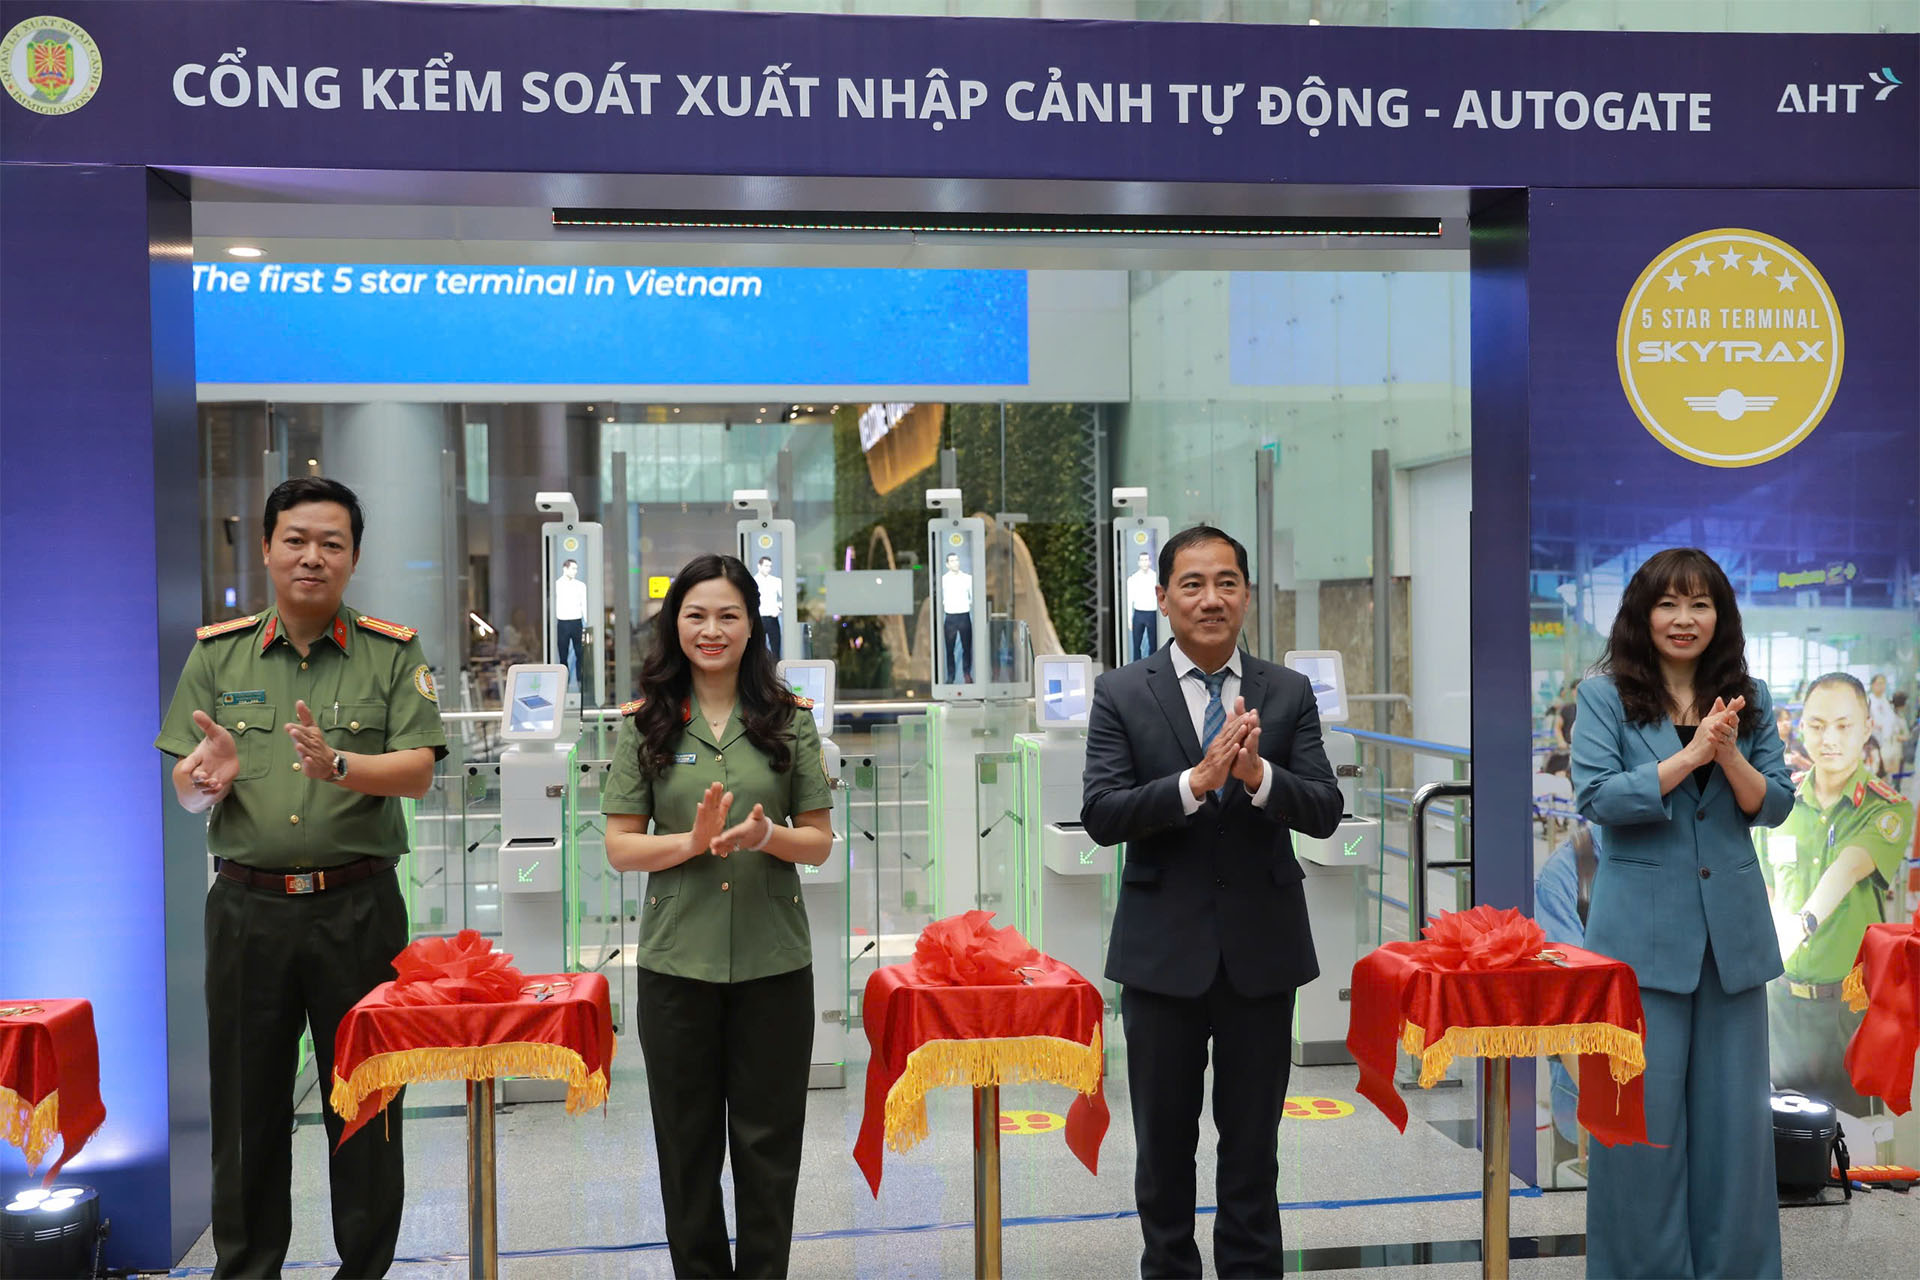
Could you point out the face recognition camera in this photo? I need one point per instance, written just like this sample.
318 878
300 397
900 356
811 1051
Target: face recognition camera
1326 670
1126 498
1062 691
558 503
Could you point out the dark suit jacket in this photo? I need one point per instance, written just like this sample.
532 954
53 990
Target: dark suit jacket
1222 884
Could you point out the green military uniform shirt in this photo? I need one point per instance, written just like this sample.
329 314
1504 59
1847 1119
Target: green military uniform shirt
368 687
714 919
1798 852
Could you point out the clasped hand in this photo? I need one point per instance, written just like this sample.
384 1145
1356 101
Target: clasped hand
311 745
215 763
1233 753
1717 738
711 834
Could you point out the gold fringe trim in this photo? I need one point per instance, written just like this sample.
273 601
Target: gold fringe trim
1626 1052
386 1073
979 1063
1853 989
28 1127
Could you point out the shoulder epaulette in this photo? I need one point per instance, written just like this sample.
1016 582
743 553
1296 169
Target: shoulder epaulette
231 625
391 630
628 708
1884 791
805 704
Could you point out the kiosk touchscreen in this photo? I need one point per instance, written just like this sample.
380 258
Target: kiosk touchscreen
531 709
1062 691
767 549
812 679
1326 669
1139 626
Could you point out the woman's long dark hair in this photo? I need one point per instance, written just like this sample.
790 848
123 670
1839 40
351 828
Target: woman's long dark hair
1634 664
666 678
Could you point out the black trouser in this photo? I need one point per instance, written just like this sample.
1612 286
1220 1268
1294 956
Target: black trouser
277 962
772 627
1166 1070
727 1066
567 633
1142 633
956 647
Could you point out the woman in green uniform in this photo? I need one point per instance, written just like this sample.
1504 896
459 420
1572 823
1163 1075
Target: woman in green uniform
725 981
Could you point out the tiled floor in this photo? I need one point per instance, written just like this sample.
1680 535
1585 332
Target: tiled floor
577 1196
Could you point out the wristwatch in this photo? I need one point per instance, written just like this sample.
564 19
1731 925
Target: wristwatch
339 765
1809 922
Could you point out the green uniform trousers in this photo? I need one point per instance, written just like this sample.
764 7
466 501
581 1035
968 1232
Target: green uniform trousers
1807 1046
727 1066
278 962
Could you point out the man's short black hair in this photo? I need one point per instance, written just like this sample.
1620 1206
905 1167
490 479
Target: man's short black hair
1843 680
303 489
1198 534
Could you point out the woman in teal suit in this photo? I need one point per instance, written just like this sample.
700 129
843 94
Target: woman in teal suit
1675 754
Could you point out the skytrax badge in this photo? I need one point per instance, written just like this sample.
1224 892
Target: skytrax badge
51 65
1730 347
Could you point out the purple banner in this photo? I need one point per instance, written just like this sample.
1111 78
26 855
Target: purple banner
282 85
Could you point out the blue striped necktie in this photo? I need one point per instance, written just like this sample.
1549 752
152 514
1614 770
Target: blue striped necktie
1216 717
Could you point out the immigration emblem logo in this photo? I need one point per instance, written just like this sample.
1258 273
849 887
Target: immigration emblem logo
51 65
1730 347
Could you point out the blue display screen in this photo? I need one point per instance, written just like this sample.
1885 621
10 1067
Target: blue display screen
440 323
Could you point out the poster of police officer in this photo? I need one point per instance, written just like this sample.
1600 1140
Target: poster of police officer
1734 373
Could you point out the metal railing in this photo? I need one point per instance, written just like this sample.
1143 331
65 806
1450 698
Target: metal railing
1375 755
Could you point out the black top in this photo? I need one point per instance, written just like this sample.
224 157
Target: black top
1705 771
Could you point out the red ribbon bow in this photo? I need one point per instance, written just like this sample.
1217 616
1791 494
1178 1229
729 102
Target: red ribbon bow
464 969
967 951
1483 938
1879 1058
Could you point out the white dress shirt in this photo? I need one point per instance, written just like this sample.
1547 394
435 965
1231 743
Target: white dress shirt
1194 690
569 599
769 585
1142 593
956 592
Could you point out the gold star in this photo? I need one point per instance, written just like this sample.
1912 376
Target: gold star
1674 280
1731 258
1702 265
1759 265
1787 279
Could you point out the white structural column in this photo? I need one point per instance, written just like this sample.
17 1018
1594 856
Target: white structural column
389 454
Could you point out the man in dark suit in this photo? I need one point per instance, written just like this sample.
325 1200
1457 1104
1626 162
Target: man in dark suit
1202 759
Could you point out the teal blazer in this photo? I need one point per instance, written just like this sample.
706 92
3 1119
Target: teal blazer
1679 869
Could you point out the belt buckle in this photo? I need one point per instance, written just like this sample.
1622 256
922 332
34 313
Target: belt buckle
1804 990
301 883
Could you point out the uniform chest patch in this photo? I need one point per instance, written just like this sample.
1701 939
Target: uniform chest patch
685 757
243 695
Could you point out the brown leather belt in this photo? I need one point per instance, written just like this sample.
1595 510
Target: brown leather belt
1813 990
305 881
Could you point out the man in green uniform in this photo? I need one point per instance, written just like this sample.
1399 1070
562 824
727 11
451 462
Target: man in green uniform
300 729
1827 869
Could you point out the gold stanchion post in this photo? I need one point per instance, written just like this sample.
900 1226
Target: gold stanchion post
986 1183
1496 1163
483 1239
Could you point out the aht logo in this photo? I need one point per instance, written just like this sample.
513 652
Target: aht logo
1834 99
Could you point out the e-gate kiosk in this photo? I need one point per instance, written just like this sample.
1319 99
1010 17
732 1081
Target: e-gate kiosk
1139 628
1334 867
825 890
539 732
767 549
1066 870
963 683
573 591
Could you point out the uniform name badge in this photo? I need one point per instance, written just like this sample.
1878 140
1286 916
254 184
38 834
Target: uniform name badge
685 757
1782 849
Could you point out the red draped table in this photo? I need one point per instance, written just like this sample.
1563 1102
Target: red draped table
49 1078
1885 983
924 1036
560 1028
1405 997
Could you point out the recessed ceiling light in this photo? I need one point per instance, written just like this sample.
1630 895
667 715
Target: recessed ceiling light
245 251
